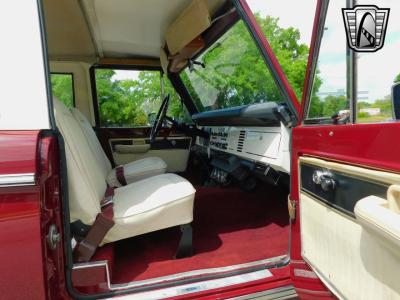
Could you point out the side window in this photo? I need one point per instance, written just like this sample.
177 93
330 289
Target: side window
289 34
374 73
126 98
329 97
63 88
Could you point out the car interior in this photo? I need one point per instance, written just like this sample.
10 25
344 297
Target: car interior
199 188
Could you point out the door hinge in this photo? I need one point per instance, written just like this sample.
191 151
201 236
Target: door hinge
292 208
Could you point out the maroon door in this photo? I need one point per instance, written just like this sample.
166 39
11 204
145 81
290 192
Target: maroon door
345 167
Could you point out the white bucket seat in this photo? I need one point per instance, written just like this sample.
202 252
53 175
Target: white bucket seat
148 205
134 171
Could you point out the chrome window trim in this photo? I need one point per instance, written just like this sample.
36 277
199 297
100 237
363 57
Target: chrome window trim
8 180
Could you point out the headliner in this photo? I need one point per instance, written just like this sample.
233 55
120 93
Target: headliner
88 30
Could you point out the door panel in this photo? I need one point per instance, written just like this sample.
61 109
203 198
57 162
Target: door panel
353 261
124 145
173 150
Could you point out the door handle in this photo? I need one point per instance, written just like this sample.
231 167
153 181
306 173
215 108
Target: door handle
324 179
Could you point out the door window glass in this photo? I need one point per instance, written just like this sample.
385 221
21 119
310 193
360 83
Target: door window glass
63 88
127 98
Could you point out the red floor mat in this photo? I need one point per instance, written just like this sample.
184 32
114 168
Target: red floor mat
230 227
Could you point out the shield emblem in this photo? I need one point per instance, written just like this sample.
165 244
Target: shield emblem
365 27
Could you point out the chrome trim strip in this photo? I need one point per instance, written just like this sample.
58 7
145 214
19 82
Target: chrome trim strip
191 288
199 273
17 179
281 293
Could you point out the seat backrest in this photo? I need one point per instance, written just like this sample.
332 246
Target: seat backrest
93 141
86 184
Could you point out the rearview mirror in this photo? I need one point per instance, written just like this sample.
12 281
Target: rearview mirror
396 100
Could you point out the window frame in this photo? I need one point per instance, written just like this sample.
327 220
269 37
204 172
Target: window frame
73 84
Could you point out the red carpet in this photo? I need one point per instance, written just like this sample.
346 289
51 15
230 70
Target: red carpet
230 227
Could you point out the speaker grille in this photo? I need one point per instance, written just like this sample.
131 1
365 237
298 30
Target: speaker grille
242 137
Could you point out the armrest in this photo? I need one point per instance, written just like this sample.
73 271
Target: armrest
126 149
375 215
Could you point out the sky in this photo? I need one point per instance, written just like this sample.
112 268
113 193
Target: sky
376 70
288 13
125 74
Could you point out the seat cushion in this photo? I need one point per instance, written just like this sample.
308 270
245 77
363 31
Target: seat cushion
138 170
151 204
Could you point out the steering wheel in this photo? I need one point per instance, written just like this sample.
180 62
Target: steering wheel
161 115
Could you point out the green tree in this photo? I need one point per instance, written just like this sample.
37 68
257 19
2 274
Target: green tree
385 105
62 88
127 103
333 104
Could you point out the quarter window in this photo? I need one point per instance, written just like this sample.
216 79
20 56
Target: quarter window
63 88
330 97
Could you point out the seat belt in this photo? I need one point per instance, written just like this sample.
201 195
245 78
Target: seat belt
103 223
119 173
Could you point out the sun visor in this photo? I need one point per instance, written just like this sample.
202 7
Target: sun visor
192 22
164 60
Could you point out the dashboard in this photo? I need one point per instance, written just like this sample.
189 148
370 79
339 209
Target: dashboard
267 145
259 133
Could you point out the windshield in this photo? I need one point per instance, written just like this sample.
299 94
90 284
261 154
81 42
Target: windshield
234 73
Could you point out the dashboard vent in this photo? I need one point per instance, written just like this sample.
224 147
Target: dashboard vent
242 136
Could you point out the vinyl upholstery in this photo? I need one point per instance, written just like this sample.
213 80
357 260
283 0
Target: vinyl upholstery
133 171
148 205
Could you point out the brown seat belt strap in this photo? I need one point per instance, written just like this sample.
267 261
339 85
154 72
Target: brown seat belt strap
103 223
119 173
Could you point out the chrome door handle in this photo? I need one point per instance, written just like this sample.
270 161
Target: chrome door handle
324 179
